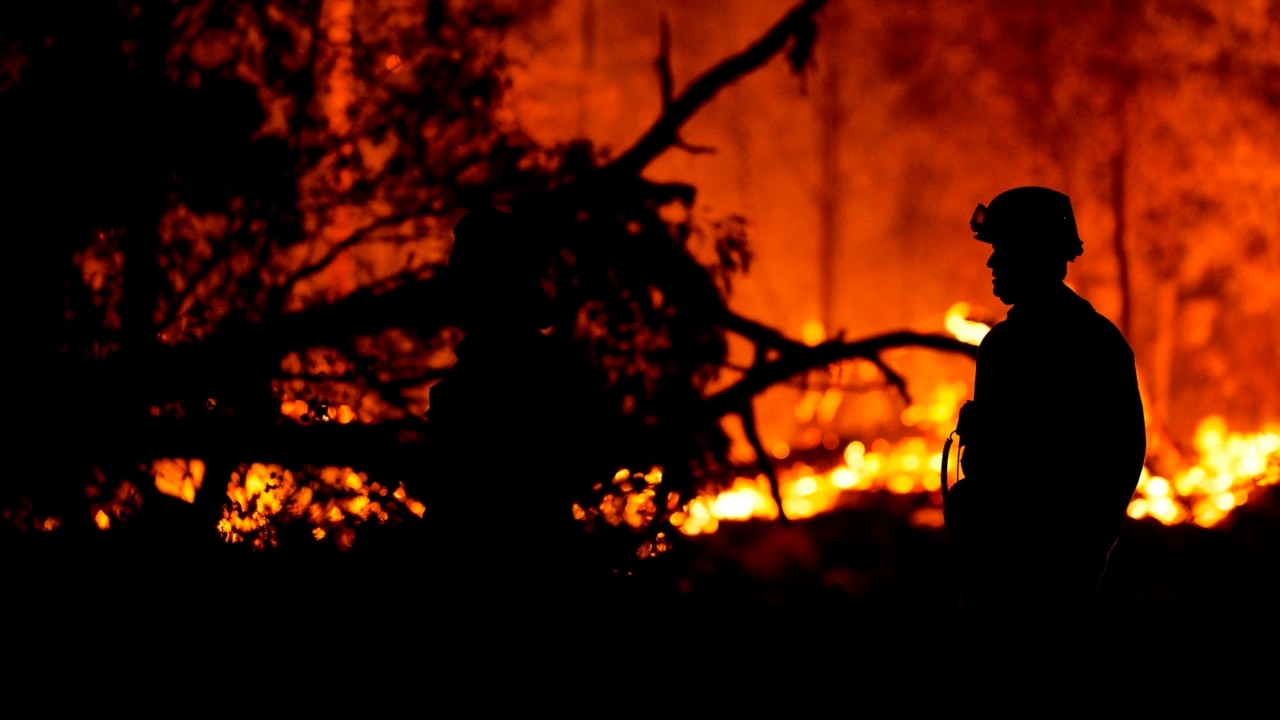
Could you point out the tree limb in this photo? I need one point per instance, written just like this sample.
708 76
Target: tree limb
748 413
762 335
665 131
351 241
693 149
891 376
664 61
799 358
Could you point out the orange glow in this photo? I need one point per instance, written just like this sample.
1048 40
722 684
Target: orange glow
177 477
965 330
1229 468
806 485
813 332
902 467
1204 493
290 408
302 411
111 502
1230 465
929 517
333 500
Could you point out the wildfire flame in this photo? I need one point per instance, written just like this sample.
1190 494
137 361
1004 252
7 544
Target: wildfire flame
333 500
1231 467
110 502
908 466
302 411
261 500
178 477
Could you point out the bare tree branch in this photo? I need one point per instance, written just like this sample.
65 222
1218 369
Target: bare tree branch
207 267
799 358
339 248
665 131
767 338
664 61
892 377
760 334
693 149
417 273
748 413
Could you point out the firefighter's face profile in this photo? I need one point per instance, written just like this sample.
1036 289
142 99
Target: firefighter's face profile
1015 271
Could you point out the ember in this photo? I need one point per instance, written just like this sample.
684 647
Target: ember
111 502
178 478
334 501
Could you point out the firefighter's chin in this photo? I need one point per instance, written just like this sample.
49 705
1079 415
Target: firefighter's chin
1002 291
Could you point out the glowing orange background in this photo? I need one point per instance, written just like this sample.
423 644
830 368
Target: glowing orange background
913 112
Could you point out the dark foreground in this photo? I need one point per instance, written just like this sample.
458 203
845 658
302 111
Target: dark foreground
863 567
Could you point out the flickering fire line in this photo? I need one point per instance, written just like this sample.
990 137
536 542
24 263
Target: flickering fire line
1231 467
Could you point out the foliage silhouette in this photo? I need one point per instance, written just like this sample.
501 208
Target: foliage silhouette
259 218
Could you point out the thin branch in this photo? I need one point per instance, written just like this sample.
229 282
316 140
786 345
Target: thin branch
419 210
220 256
664 61
693 149
365 311
665 131
759 333
892 377
767 338
748 413
802 358
421 273
805 383
338 249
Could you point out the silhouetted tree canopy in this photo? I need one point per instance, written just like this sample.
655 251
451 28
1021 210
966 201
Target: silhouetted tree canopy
228 217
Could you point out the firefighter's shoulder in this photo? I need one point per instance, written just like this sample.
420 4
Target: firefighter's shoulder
1107 335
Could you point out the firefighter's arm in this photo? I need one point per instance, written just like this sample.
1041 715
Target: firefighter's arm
969 427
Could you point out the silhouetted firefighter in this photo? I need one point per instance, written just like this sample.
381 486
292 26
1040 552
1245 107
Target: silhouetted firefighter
509 428
1054 438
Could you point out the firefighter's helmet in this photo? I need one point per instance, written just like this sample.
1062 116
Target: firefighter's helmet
1031 217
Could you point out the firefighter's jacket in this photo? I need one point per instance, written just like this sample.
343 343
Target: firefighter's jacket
1054 450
